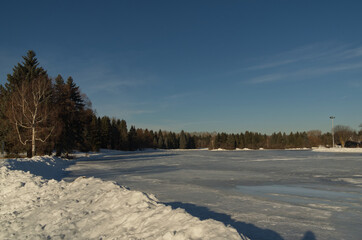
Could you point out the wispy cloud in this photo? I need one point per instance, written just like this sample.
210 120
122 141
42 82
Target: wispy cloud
179 96
104 79
124 111
305 73
306 62
267 78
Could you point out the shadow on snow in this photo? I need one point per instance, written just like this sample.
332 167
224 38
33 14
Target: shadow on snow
247 229
48 169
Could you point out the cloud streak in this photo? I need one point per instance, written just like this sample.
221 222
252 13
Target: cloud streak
307 62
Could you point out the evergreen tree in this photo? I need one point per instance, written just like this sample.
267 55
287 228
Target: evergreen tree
115 134
230 142
160 140
183 141
241 144
62 102
123 135
77 112
105 132
23 79
248 141
94 134
148 138
72 115
132 139
4 123
27 71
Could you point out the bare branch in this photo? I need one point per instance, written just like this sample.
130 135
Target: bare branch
29 109
24 143
51 131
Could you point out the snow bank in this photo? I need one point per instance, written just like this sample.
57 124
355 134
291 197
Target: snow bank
237 149
339 150
48 167
32 207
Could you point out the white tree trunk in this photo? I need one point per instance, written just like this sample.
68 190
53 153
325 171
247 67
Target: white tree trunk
33 142
30 111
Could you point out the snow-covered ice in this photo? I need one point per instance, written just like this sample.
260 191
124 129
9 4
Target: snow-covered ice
32 207
277 195
338 150
269 194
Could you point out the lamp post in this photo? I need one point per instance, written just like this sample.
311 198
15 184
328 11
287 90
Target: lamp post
332 117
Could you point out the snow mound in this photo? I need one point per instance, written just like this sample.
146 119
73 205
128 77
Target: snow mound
338 150
48 167
32 207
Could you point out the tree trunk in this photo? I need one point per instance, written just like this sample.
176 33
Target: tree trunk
33 142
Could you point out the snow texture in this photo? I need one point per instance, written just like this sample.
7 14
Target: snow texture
32 207
338 150
265 195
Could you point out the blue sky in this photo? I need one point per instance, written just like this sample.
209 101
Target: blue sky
228 66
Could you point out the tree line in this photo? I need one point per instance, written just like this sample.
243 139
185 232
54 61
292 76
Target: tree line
40 115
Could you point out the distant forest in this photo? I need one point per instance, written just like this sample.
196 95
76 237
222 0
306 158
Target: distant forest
40 115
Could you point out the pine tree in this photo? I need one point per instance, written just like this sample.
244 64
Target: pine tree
241 144
132 139
183 141
61 100
123 135
115 134
160 140
27 71
105 132
72 115
4 123
94 134
230 142
77 112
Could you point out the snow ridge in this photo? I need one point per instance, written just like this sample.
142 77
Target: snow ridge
32 207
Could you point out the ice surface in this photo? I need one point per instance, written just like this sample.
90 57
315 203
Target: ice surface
262 194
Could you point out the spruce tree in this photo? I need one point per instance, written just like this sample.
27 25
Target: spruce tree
93 134
105 132
123 131
183 141
132 139
27 71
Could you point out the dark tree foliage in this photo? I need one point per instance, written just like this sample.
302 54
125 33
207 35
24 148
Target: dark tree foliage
132 139
71 117
183 140
74 118
26 71
23 73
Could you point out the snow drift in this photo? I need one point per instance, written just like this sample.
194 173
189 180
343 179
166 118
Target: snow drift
32 207
338 150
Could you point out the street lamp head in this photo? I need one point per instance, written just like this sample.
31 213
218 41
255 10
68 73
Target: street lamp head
332 117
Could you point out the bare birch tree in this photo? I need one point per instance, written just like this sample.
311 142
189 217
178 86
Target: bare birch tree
30 111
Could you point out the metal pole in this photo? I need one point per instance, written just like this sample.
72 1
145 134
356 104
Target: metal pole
332 117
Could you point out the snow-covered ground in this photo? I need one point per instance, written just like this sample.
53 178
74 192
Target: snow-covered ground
32 207
268 195
338 150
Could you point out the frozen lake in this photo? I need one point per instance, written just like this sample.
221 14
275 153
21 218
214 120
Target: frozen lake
263 194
